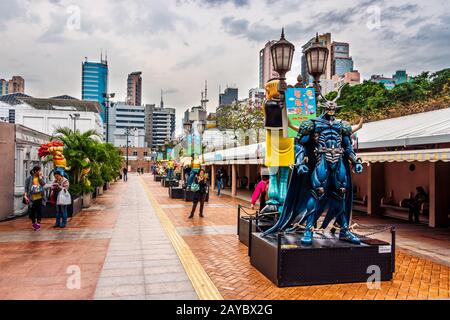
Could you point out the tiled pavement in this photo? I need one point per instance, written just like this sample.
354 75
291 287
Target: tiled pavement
124 253
215 244
141 262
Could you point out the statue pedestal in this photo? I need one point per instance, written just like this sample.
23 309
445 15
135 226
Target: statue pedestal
171 183
286 262
157 178
176 193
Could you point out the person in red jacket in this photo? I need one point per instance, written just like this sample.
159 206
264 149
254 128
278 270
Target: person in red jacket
261 193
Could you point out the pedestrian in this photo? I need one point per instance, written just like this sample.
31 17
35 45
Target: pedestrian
219 178
34 196
200 189
63 199
261 193
125 174
416 203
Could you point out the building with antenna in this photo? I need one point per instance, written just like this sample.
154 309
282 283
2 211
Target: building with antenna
160 124
94 82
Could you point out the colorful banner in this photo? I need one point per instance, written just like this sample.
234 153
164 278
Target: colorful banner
301 106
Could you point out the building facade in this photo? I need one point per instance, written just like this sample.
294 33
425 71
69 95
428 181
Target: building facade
95 83
137 158
341 62
15 85
389 83
20 146
47 115
134 89
160 125
228 97
256 97
127 121
352 78
266 68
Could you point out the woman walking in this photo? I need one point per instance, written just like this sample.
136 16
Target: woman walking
63 199
34 196
260 193
200 188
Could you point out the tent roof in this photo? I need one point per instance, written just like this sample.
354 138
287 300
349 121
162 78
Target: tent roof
421 128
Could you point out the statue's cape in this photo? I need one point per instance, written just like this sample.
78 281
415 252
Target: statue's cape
299 192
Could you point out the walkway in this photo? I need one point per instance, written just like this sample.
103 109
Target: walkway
214 242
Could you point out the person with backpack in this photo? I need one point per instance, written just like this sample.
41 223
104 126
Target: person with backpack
34 196
200 189
219 178
261 193
63 199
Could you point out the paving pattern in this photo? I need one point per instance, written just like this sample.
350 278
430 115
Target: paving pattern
141 262
225 260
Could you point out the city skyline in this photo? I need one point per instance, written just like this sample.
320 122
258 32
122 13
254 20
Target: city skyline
177 52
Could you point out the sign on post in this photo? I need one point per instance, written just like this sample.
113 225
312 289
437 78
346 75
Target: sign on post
301 105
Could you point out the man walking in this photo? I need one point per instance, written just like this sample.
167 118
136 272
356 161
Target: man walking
125 174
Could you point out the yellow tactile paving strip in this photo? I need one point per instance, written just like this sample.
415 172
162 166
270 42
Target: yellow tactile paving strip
202 283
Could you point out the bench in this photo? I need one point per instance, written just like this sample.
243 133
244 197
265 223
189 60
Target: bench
400 210
360 204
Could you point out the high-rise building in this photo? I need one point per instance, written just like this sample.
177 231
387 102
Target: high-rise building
341 62
325 40
399 77
134 89
95 82
15 85
159 124
266 71
228 97
256 97
125 117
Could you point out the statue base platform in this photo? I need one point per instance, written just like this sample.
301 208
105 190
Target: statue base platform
176 193
286 262
171 183
189 196
246 225
157 178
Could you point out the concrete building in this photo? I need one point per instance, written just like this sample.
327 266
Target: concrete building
95 82
389 83
134 89
325 40
352 78
266 71
159 125
256 97
46 115
126 119
19 146
15 85
341 62
228 97
137 158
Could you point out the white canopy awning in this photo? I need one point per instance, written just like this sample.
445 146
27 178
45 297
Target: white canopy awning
432 155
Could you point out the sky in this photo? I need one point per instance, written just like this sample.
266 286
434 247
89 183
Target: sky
178 44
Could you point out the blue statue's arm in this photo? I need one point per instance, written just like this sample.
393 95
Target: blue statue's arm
304 136
347 132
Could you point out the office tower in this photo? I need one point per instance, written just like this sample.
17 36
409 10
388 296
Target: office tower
159 124
266 71
325 40
134 89
341 62
228 97
15 85
95 82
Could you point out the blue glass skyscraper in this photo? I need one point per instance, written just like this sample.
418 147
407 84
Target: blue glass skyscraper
95 82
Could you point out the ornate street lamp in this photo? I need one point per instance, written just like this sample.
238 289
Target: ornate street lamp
316 58
201 127
187 126
282 56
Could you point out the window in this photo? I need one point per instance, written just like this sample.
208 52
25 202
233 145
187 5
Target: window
135 153
145 154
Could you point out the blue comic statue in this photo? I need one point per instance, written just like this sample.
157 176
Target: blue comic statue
321 178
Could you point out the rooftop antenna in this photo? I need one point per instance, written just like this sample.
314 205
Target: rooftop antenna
162 99
101 55
205 96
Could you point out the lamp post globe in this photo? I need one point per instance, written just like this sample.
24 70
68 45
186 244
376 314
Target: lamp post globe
316 58
187 126
282 56
201 127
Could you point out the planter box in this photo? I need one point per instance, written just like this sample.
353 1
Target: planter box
49 211
87 199
99 191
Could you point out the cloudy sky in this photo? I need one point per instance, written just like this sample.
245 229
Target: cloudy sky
178 44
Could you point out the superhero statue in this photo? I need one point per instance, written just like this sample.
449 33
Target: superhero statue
279 149
170 169
322 176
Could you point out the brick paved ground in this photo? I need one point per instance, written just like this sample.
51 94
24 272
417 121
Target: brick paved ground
226 262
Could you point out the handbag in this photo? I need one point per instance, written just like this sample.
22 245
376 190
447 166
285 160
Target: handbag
64 198
195 187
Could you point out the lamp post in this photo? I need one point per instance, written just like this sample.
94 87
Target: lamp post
201 127
75 117
187 126
316 58
127 134
282 56
107 97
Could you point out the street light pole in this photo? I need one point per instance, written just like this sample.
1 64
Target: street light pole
107 97
127 134
75 117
